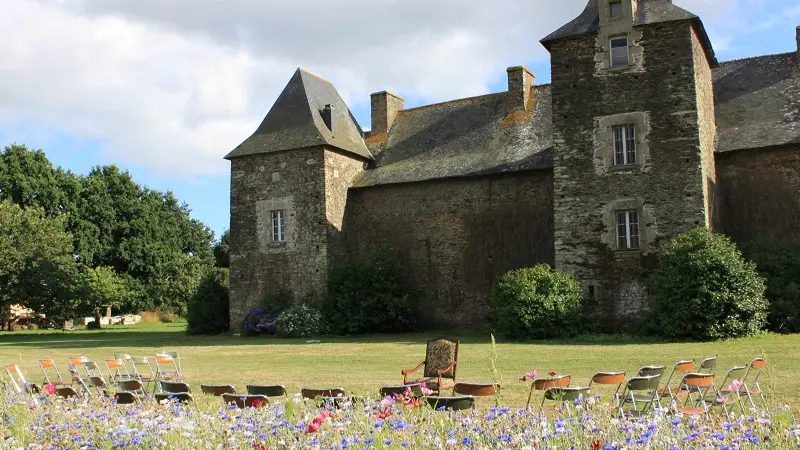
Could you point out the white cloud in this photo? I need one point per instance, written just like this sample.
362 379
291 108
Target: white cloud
174 85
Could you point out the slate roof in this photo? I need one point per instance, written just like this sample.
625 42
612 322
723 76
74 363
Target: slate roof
649 12
295 121
473 136
757 102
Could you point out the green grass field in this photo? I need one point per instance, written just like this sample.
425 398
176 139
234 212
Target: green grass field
361 365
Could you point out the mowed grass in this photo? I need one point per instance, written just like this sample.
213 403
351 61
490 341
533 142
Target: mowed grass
362 364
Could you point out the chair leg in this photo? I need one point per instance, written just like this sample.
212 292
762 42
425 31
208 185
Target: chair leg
530 394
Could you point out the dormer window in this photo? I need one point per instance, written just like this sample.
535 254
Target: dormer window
619 51
615 8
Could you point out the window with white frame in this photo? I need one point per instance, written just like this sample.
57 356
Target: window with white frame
627 230
278 219
624 145
615 8
619 51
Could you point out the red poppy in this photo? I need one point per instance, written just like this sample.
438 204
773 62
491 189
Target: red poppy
258 445
50 389
256 403
596 445
552 374
313 427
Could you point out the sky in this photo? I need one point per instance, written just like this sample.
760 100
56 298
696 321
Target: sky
166 88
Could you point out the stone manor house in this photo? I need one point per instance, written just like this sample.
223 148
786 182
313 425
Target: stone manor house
641 135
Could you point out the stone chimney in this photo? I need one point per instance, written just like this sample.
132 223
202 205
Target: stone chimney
520 82
327 117
385 107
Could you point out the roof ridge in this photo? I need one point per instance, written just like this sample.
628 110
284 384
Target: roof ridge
755 57
475 97
308 72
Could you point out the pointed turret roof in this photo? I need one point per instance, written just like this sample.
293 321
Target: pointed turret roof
648 12
295 121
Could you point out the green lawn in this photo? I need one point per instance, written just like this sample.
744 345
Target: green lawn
363 364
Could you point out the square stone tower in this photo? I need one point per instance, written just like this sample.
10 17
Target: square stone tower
289 184
634 138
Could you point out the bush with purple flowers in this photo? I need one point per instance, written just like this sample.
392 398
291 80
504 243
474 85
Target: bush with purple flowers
259 321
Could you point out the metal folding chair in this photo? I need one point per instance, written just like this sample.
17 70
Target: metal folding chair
245 401
640 391
567 396
275 390
174 387
77 362
683 367
19 383
217 389
728 390
609 379
118 370
751 388
143 370
51 374
698 385
541 384
167 367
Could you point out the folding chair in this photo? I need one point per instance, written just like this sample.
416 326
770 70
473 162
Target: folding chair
682 367
751 388
19 383
245 401
174 387
176 357
126 398
566 395
77 380
727 390
180 397
217 389
143 370
699 384
312 393
133 386
459 403
77 362
167 367
646 371
127 361
118 370
66 392
640 390
54 377
609 379
274 390
707 365
541 384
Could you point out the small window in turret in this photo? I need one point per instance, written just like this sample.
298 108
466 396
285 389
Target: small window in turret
619 51
278 226
615 8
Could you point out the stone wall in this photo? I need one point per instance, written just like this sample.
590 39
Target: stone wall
293 181
760 193
456 236
670 186
340 170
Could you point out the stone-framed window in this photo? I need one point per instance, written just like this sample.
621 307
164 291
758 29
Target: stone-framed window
618 46
615 9
278 225
624 144
628 230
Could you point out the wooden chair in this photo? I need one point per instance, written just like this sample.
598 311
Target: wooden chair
440 364
217 389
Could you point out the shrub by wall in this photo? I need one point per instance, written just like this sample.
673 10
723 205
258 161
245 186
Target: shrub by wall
702 288
208 311
779 264
369 294
536 303
300 320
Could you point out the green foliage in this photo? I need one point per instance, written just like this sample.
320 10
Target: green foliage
300 320
101 287
536 303
145 236
222 248
278 302
702 288
779 263
369 295
209 306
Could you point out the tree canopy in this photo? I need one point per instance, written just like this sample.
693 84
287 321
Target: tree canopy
109 237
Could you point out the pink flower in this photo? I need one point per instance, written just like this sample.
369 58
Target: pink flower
721 399
735 386
50 389
530 375
387 401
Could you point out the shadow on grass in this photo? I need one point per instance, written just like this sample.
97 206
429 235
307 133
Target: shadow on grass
174 335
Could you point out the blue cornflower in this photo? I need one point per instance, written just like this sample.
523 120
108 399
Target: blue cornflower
466 441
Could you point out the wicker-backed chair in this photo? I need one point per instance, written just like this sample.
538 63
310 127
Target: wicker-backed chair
441 361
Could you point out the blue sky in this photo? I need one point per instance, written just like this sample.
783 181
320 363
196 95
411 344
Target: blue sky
166 95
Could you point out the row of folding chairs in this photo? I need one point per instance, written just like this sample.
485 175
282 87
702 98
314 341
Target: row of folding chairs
696 392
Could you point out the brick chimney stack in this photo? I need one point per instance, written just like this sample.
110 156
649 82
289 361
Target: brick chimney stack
520 84
385 107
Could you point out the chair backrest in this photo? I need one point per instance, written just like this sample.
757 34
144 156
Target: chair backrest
565 393
476 389
451 403
644 383
267 390
92 369
708 364
647 371
245 401
117 369
126 398
176 357
607 378
97 381
755 366
181 397
698 380
734 373
17 378
130 385
439 354
541 384
49 369
312 393
66 392
78 361
166 364
174 387
142 368
217 389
